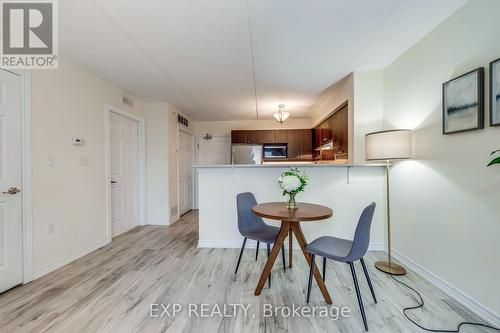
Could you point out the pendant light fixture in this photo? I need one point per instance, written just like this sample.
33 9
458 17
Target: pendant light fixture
281 115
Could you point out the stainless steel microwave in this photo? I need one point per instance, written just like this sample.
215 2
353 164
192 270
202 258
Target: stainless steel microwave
275 151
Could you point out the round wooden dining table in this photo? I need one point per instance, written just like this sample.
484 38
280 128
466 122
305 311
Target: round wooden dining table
290 224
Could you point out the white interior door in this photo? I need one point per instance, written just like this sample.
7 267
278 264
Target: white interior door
11 237
124 173
185 172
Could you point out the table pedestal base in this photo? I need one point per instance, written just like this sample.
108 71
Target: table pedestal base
287 228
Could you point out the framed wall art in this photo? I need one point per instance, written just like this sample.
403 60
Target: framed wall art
463 102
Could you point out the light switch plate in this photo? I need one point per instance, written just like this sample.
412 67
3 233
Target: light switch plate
49 159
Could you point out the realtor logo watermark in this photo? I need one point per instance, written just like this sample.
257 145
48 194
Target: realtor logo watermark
29 34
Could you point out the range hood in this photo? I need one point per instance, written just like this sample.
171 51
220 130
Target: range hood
328 145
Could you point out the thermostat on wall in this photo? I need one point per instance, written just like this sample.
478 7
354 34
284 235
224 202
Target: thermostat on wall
77 141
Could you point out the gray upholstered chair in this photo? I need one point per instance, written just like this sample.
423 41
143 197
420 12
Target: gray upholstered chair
253 227
347 251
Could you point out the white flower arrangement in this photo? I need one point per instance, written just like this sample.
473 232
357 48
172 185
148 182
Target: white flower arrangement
292 182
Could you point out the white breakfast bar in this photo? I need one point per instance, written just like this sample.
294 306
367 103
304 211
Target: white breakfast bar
345 188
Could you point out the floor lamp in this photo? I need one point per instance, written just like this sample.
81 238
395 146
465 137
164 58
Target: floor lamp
388 146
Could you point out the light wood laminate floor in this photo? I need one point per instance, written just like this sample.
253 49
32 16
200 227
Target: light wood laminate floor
111 289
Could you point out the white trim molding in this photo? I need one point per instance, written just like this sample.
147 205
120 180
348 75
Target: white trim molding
141 154
467 301
158 222
26 189
67 259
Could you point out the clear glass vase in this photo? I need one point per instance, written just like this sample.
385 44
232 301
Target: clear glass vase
291 204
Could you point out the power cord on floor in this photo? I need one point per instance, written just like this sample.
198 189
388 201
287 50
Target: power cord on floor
421 305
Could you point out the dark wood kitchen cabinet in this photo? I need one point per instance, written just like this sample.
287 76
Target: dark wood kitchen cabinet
239 136
306 144
299 141
294 146
274 136
254 137
281 136
333 129
268 136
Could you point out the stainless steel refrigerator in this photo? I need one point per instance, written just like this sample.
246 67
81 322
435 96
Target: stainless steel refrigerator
246 154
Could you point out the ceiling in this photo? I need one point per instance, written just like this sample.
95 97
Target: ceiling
239 59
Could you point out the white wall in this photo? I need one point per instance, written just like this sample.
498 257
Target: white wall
162 161
331 99
69 102
157 163
368 109
327 185
446 202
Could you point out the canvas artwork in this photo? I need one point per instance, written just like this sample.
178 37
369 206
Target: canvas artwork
463 104
495 93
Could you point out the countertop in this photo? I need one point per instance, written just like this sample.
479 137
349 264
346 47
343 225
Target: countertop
293 164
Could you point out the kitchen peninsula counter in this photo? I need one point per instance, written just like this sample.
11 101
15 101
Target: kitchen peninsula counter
346 188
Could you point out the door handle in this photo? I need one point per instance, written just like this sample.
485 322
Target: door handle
12 190
114 182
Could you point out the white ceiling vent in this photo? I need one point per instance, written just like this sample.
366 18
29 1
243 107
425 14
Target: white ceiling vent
127 100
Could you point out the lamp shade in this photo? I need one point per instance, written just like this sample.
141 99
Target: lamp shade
388 145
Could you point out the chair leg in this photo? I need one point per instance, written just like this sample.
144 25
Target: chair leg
309 284
283 255
368 279
241 254
358 294
324 269
257 250
268 253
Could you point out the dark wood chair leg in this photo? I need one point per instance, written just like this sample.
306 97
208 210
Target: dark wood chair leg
358 294
241 254
324 269
283 255
311 271
257 250
368 279
268 253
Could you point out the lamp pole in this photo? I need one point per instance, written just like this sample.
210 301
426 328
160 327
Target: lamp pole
388 266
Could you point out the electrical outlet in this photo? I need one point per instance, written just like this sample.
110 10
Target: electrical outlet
51 228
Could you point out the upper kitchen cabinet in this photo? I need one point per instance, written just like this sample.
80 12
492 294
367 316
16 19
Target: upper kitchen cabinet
275 136
249 137
339 126
281 136
254 137
299 141
294 144
268 136
306 144
239 136
331 136
300 144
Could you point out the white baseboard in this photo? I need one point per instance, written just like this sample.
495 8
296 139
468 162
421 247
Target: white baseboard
376 247
251 244
157 222
67 259
467 301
